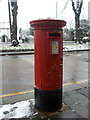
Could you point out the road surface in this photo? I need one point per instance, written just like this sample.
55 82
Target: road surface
18 74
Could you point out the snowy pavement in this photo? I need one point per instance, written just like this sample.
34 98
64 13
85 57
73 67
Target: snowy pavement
23 46
28 47
76 47
17 110
74 106
22 109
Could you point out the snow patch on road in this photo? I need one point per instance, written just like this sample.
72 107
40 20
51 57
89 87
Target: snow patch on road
17 110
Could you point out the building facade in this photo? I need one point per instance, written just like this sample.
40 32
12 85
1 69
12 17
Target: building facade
4 32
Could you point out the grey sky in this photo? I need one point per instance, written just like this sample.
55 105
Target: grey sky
34 9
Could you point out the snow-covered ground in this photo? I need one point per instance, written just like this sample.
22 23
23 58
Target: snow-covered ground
29 46
24 109
24 47
18 110
76 47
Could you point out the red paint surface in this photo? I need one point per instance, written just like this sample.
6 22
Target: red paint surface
48 66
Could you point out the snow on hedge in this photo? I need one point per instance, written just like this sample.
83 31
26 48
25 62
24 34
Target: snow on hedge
65 47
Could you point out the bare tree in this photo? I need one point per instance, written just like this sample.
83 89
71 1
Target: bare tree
9 9
77 12
13 26
14 8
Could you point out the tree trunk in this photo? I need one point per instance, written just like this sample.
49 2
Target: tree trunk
14 24
77 28
77 12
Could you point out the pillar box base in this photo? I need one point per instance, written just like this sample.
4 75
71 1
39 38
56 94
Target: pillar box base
48 101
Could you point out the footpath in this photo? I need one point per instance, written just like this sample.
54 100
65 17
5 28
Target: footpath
75 106
28 48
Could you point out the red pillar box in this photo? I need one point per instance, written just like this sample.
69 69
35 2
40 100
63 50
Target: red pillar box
48 36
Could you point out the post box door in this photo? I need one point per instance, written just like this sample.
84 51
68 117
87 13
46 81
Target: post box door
53 80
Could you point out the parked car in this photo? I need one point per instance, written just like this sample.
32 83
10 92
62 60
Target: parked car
86 39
